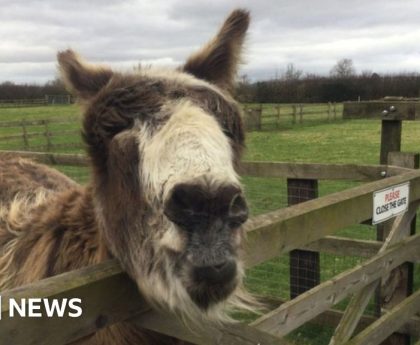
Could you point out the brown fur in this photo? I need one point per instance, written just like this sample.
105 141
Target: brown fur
218 60
50 225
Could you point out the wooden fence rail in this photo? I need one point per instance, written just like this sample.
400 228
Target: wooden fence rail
389 323
40 122
258 116
47 99
37 134
13 103
351 172
331 318
318 171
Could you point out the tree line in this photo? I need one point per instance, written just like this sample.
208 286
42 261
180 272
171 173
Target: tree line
342 84
293 86
10 90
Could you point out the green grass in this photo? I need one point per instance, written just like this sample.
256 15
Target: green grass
34 113
316 140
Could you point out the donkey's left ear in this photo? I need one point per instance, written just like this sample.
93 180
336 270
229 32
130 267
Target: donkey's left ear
82 79
217 62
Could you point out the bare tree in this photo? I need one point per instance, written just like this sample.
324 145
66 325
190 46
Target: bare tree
344 68
292 73
244 79
244 89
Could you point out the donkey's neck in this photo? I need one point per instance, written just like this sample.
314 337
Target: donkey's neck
63 233
78 232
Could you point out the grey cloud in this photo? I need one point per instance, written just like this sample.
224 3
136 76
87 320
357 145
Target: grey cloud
381 36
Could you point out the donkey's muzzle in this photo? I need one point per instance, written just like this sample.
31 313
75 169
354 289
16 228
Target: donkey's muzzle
209 217
212 284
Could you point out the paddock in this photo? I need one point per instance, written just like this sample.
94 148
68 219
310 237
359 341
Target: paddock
301 232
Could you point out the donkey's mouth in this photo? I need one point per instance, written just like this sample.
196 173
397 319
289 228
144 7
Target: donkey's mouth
212 284
205 296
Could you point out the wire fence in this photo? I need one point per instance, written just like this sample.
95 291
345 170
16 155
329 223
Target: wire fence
13 103
273 278
63 99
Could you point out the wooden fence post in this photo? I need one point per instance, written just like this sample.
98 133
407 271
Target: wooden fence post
252 118
294 114
390 142
403 275
399 284
300 113
25 136
47 136
390 138
329 111
278 115
304 264
259 117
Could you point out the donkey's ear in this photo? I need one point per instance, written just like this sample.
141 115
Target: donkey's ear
82 79
217 61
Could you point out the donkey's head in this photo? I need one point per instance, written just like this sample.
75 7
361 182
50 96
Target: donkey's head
164 147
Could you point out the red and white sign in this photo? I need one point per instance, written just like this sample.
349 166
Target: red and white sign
390 202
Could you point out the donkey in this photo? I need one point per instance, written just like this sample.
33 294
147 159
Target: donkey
164 198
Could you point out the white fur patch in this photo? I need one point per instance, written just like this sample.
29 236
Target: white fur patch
172 240
190 145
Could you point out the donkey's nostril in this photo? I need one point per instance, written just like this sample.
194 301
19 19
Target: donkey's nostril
217 274
238 210
183 203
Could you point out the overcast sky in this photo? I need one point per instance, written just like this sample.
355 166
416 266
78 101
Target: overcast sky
379 36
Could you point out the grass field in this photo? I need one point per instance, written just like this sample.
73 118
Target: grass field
317 140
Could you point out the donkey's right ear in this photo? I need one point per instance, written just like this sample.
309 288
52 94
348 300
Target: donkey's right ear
82 79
